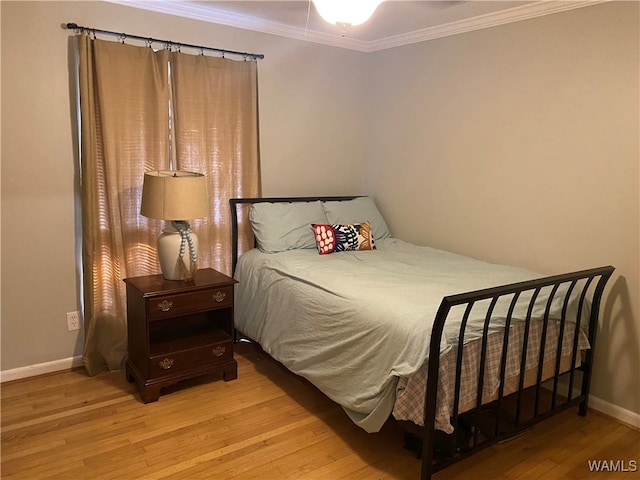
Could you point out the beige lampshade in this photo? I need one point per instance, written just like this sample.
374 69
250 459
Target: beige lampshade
174 195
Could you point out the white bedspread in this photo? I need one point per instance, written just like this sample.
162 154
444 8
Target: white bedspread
353 322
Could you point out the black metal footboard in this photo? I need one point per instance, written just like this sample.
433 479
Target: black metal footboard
576 296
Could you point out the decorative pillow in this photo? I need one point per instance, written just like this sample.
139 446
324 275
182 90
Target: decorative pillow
341 238
357 210
285 226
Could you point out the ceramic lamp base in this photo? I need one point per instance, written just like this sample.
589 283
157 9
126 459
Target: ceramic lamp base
169 255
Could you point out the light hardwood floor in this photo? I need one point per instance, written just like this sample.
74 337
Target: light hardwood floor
267 424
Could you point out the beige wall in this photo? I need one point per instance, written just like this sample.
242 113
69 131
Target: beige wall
516 144
519 144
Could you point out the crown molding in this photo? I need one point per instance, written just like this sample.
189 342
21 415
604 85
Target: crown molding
511 15
207 14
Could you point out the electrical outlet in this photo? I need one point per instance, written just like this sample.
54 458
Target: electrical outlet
73 321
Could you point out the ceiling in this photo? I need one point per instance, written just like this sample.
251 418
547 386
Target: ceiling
394 23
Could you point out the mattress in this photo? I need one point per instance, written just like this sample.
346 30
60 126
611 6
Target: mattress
355 323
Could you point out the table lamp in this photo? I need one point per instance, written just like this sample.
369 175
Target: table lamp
176 196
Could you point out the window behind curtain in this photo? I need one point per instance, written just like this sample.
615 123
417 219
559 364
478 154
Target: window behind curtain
216 133
125 93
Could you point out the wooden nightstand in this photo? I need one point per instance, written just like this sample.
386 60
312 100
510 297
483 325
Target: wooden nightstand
179 330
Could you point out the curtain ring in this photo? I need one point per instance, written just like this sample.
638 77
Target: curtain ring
149 42
122 37
201 50
94 34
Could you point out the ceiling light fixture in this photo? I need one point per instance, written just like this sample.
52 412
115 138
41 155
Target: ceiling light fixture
346 13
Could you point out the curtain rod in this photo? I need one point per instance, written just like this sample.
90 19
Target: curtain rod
168 43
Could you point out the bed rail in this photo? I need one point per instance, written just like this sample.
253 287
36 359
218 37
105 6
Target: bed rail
488 424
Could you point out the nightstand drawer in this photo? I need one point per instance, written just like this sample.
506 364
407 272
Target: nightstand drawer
181 361
173 305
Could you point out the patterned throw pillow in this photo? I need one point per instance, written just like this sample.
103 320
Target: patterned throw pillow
341 238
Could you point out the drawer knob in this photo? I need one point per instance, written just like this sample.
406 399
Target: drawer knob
165 305
166 364
218 351
219 296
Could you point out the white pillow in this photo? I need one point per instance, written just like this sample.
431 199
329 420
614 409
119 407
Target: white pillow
285 226
358 210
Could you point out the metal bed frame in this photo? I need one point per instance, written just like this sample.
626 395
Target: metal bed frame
508 415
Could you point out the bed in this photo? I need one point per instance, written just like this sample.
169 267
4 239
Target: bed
328 292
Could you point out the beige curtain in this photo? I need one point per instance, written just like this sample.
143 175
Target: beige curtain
125 105
216 133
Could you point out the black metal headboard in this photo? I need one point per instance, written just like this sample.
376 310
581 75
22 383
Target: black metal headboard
234 202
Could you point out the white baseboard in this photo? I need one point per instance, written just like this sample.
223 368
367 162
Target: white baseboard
40 369
614 411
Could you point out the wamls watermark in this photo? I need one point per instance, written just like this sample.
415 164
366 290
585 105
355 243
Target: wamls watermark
612 465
